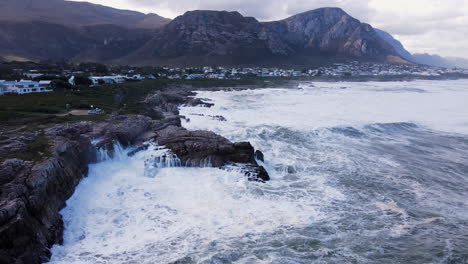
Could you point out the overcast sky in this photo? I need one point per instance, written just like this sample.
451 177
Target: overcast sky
432 26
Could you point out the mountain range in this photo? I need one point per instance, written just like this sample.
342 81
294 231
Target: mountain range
436 60
426 59
58 30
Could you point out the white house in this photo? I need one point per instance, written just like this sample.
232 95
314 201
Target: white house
33 75
24 87
3 88
107 79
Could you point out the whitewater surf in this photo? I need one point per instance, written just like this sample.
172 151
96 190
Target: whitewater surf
372 172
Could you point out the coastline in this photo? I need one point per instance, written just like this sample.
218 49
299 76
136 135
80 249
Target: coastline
34 188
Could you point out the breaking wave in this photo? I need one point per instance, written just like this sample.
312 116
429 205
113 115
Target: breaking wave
374 173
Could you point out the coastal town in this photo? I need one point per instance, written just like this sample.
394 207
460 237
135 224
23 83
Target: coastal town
36 79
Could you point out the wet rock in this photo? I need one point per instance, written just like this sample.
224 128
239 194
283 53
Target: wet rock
138 149
185 260
207 149
219 118
259 156
167 103
162 124
31 195
125 129
255 173
291 169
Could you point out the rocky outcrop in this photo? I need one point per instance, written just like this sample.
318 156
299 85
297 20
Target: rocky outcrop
207 149
125 129
36 186
31 195
33 192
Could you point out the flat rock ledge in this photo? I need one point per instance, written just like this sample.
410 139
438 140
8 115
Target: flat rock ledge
207 149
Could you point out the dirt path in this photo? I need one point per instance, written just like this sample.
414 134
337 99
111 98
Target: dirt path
76 113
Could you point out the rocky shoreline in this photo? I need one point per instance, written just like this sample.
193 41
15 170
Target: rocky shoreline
33 190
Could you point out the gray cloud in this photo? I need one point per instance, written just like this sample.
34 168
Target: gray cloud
422 25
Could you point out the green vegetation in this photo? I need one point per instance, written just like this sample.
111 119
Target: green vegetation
50 108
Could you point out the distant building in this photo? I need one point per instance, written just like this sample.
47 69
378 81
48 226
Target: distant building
33 75
195 76
107 79
3 88
24 87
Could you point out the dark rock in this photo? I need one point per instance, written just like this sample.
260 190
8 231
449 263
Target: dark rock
138 149
185 260
10 168
167 103
291 169
256 173
162 124
219 118
125 129
204 148
31 195
259 155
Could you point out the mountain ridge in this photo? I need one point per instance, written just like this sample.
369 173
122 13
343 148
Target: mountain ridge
206 37
89 32
439 61
75 14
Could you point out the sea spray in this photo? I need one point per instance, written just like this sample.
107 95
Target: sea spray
369 173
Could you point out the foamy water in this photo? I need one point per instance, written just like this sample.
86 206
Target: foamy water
361 173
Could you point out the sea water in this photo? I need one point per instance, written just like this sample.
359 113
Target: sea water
373 172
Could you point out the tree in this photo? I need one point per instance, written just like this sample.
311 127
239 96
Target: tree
101 68
6 71
83 80
59 84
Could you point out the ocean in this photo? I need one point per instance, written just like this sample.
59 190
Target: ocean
362 172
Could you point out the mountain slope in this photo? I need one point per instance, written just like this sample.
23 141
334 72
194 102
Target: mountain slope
399 48
64 30
47 41
71 13
220 37
205 37
436 60
326 31
427 59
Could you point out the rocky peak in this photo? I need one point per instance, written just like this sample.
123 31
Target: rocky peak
328 13
200 33
326 31
200 20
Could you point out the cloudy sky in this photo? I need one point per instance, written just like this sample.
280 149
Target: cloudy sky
432 26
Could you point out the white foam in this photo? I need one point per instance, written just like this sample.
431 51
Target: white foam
441 105
117 213
130 210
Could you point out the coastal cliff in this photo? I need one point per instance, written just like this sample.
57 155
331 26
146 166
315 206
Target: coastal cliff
34 188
